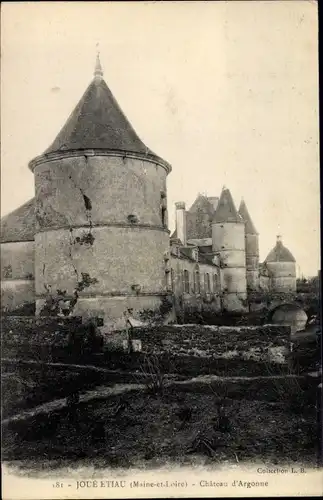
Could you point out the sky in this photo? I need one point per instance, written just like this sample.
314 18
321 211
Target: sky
227 92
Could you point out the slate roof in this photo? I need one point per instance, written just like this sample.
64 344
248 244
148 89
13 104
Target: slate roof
186 253
226 210
214 200
249 225
206 259
280 254
203 204
202 259
19 225
205 250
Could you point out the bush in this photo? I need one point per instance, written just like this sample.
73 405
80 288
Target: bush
28 309
294 397
305 356
159 315
154 378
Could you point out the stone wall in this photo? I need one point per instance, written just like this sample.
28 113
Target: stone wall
17 274
201 350
16 293
283 276
198 299
215 341
190 350
46 338
104 215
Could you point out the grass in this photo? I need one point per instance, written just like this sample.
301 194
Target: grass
140 426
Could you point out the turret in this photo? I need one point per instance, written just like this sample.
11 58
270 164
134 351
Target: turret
252 248
228 241
101 222
281 265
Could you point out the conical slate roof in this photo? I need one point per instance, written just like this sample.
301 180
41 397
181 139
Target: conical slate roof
249 225
98 122
280 253
226 210
19 225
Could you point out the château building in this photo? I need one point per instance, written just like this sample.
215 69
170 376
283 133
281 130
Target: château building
96 231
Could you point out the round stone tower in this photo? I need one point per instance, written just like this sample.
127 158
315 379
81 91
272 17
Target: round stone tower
228 241
281 265
101 213
252 248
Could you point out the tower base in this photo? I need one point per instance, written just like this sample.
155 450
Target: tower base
113 308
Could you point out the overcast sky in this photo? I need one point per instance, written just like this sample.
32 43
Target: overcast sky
227 92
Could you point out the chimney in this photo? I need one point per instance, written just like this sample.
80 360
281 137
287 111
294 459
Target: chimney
181 221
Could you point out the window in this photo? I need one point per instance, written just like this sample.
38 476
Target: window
168 280
172 274
207 282
215 283
163 208
163 216
132 218
186 281
197 284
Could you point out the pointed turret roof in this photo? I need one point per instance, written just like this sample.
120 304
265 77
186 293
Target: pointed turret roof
98 122
249 225
19 225
226 210
280 253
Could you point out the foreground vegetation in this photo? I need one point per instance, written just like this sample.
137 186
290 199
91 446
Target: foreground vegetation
162 423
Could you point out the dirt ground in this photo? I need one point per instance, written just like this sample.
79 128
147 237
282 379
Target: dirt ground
180 427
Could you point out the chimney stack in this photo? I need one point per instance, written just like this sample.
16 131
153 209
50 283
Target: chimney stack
181 221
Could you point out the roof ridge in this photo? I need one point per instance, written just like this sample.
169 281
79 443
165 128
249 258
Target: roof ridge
244 212
280 253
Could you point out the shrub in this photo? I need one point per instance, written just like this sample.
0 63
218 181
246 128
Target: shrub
154 377
157 316
28 309
295 397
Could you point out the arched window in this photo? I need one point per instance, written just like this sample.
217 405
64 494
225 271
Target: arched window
207 282
186 281
197 284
